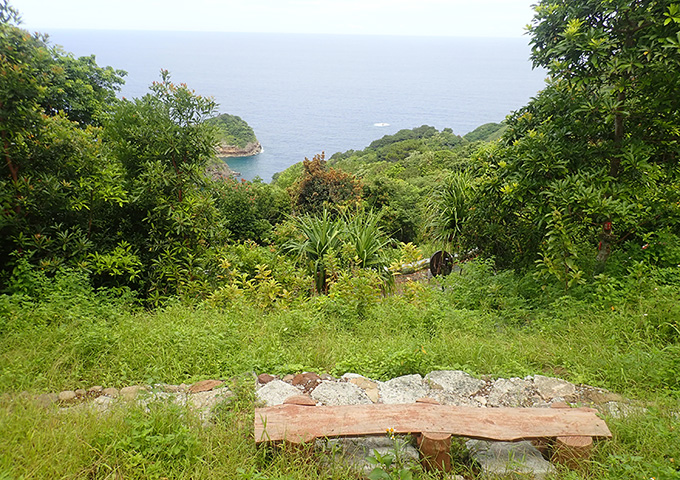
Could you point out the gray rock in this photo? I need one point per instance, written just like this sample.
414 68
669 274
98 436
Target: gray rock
457 400
513 392
276 392
368 386
203 403
597 396
406 389
67 396
171 388
81 392
46 399
456 382
111 392
340 393
621 410
96 390
179 399
550 388
509 459
353 452
102 403
131 392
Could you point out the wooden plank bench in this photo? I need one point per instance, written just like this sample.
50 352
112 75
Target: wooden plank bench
571 430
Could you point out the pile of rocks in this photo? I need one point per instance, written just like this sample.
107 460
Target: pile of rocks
446 387
202 397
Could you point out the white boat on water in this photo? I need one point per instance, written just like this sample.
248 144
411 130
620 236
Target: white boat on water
381 124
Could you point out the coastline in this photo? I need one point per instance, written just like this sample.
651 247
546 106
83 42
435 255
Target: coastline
228 151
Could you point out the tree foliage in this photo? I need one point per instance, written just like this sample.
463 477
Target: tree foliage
599 144
55 181
326 242
321 187
233 130
113 188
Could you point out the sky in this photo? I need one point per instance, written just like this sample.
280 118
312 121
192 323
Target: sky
460 18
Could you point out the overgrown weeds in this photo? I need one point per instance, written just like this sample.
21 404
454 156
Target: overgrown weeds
618 332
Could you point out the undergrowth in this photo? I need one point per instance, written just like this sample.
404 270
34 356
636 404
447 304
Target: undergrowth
618 332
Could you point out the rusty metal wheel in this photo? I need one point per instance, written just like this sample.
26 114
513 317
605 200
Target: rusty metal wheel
441 263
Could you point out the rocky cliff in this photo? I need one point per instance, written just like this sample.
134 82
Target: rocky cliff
218 170
253 148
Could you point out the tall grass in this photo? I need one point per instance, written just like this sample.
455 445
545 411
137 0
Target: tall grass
480 321
619 334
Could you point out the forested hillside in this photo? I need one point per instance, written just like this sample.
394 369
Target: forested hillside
232 130
122 262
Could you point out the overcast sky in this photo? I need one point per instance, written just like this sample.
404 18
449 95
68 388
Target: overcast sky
464 18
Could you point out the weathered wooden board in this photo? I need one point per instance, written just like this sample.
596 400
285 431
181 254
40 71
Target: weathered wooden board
297 423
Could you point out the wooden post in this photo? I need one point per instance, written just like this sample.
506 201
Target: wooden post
434 447
571 451
435 451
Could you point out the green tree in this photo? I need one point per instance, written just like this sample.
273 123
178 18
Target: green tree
327 243
320 238
599 144
448 208
164 145
622 59
55 182
250 209
80 88
233 130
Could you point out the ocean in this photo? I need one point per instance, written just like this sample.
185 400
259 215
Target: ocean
304 94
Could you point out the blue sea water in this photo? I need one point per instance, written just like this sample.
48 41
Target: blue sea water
304 94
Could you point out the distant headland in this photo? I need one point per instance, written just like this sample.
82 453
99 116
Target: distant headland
224 150
236 137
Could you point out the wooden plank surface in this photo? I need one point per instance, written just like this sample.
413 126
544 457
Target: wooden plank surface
297 423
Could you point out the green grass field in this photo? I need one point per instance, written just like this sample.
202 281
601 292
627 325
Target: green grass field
622 338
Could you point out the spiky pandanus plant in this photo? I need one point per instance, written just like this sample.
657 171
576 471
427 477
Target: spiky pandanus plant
448 207
356 238
321 236
368 241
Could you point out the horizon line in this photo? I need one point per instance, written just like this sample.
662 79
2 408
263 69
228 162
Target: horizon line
337 34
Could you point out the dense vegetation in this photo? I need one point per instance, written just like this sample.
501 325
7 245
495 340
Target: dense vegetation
122 262
232 130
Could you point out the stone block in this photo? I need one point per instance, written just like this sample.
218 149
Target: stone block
67 397
405 389
550 388
340 393
512 392
276 392
111 392
509 459
456 382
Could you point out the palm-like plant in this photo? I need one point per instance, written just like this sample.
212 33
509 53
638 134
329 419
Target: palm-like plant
367 240
321 236
448 208
356 237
